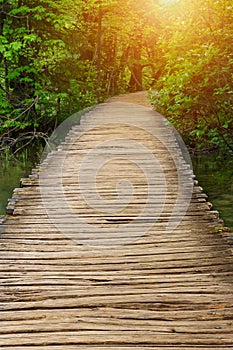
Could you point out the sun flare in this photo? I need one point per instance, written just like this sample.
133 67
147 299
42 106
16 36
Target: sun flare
169 1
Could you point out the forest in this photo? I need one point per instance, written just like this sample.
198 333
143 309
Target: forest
58 57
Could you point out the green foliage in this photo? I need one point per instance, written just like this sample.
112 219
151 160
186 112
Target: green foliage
58 57
195 90
35 83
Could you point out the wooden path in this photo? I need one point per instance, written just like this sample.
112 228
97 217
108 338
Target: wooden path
87 271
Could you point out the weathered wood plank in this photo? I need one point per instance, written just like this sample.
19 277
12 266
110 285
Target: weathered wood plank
119 347
200 316
114 338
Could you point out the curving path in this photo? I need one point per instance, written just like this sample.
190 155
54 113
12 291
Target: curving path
111 244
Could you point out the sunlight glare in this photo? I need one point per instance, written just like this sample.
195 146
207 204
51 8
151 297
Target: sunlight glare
169 1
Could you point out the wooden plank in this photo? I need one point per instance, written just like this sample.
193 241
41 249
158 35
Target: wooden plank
119 347
104 324
216 314
114 338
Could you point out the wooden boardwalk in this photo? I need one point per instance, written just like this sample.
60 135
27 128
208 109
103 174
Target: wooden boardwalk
81 270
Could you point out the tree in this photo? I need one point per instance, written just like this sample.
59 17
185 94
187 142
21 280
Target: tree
58 57
195 90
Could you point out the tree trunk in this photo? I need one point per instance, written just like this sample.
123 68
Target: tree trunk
135 83
99 55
